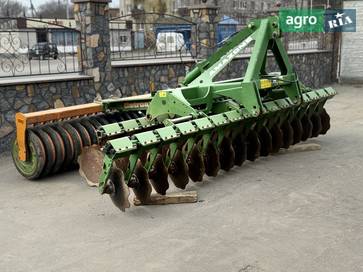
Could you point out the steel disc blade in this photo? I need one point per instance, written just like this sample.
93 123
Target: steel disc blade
240 149
86 139
325 122
68 145
277 138
90 164
142 189
196 168
317 126
288 134
253 146
75 138
158 175
90 129
49 151
266 141
298 130
226 154
178 171
117 189
307 127
58 145
211 160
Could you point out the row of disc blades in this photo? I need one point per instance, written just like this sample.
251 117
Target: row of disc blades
233 150
55 147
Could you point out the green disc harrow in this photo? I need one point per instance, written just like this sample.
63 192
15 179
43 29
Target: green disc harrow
199 128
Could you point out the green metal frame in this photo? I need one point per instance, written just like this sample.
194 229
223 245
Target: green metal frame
201 107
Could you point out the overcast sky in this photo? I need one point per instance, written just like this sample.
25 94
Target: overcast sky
115 3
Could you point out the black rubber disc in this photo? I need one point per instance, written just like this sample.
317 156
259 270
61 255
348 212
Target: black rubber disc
49 151
33 167
253 146
59 147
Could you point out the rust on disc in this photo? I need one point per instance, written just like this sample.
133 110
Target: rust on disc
307 127
196 168
317 126
288 134
266 141
277 138
253 146
298 130
211 160
90 164
142 189
240 149
117 189
226 154
325 122
158 175
178 170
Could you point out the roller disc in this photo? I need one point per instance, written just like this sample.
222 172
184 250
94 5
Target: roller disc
142 189
36 157
211 160
226 154
307 127
298 130
158 175
101 119
317 126
196 168
94 122
325 122
59 147
90 164
178 170
117 189
49 151
86 139
288 134
266 141
277 138
76 140
68 145
253 146
240 149
90 129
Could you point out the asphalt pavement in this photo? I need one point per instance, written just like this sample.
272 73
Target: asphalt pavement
294 211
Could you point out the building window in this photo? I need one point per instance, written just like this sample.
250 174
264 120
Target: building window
252 5
242 4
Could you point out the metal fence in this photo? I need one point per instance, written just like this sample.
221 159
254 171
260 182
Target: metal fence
48 49
293 41
151 37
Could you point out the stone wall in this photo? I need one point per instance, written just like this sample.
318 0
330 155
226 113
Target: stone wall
38 96
314 69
